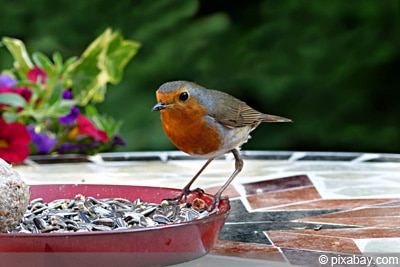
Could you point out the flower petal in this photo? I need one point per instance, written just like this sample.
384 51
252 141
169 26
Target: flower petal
6 80
43 142
35 73
17 141
87 127
71 117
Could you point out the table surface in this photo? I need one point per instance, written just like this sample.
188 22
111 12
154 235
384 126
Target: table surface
288 208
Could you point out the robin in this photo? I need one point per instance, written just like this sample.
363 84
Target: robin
207 123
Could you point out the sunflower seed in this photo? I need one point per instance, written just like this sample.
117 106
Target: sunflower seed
85 214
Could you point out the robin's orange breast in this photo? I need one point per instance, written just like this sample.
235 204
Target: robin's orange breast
189 129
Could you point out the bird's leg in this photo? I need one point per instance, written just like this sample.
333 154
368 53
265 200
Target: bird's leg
186 190
238 168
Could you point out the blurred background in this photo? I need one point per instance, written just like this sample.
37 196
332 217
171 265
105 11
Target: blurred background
331 66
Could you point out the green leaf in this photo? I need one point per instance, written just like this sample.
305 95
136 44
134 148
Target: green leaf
22 62
43 62
106 123
56 94
102 62
58 62
61 108
27 83
10 117
85 81
90 110
119 53
13 100
87 76
68 63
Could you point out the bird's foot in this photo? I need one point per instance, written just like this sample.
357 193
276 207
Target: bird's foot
215 202
183 195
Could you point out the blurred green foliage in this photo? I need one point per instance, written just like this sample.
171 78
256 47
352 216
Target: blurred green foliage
331 66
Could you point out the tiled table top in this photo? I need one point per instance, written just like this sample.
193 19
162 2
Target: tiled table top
288 208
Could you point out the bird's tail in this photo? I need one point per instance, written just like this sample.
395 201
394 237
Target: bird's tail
273 118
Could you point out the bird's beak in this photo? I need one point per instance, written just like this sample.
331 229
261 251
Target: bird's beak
159 106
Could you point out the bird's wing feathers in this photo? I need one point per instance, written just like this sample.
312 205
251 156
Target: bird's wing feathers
232 112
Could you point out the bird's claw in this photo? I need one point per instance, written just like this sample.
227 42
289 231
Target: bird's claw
212 208
183 195
215 203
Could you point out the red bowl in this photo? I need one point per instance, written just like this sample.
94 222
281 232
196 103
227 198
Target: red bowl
158 245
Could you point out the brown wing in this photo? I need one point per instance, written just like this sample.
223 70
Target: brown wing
232 112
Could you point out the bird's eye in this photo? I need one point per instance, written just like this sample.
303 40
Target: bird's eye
184 96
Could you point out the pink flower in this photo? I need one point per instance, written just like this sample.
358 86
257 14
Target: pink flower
14 142
86 127
37 73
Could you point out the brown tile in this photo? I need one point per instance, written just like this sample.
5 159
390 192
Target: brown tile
372 217
277 184
393 203
355 233
324 204
271 199
312 241
231 192
359 221
366 212
247 250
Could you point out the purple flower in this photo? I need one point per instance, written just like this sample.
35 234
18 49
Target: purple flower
7 81
117 141
71 117
76 148
73 114
43 142
67 94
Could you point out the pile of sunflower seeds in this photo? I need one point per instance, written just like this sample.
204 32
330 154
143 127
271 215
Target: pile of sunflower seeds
85 214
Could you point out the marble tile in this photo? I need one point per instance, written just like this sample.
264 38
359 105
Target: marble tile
394 203
286 207
277 184
312 258
312 241
251 233
240 214
371 217
247 250
342 157
366 212
216 260
323 204
272 199
355 233
386 158
231 191
359 221
379 245
371 190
